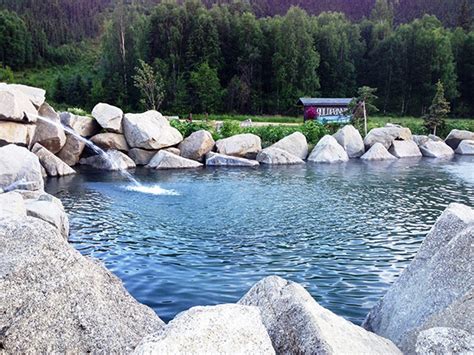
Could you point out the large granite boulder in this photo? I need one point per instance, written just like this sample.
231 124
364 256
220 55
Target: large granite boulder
351 140
54 300
16 133
297 324
50 212
51 163
456 136
436 149
149 130
18 164
36 95
405 149
386 135
436 289
112 160
216 159
466 147
110 141
167 160
49 135
442 340
11 205
82 125
197 145
72 150
141 156
16 106
377 152
277 156
245 145
294 144
109 117
223 329
328 151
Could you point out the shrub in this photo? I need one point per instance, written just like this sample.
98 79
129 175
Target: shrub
187 128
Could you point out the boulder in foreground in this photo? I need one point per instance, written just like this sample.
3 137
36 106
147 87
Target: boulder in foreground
54 300
82 125
49 135
223 329
51 163
378 152
297 324
436 288
109 117
112 160
16 106
277 156
141 156
466 147
72 150
12 204
19 165
197 145
436 149
328 151
108 141
351 140
244 145
456 136
405 149
386 135
294 144
216 159
16 133
167 160
442 340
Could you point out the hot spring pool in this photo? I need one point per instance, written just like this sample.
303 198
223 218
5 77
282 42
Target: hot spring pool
344 231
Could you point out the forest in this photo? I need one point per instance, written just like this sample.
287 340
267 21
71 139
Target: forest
239 57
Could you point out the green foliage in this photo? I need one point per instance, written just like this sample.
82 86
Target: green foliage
15 40
6 74
206 89
77 111
150 85
438 110
187 128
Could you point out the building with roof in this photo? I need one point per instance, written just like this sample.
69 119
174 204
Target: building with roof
327 109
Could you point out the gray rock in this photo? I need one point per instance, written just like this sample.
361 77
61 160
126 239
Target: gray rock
49 212
82 125
216 159
16 133
351 140
456 136
245 145
51 163
277 156
36 95
108 141
141 156
72 150
297 324
466 147
294 144
431 290
149 130
377 152
109 117
436 149
40 196
441 340
112 160
328 151
223 329
54 300
47 134
16 106
386 135
167 160
173 150
19 164
405 149
197 145
420 139
12 204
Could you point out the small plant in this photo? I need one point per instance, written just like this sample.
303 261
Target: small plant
77 111
186 128
438 110
151 86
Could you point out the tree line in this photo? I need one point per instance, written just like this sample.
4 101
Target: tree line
226 59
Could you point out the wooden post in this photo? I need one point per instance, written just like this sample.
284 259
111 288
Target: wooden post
365 118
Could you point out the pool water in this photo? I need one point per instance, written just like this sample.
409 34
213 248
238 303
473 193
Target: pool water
204 237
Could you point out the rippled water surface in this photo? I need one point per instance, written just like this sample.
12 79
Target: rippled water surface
344 231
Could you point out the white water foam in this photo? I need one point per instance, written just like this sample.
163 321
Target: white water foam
152 190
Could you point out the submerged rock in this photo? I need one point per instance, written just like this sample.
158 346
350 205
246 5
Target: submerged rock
378 152
16 106
351 140
166 160
16 133
442 340
82 125
197 145
328 151
466 147
54 300
223 329
216 159
18 164
297 324
436 288
149 130
51 163
245 145
405 149
109 117
387 135
48 134
436 149
72 150
294 144
141 156
456 136
110 141
114 160
277 156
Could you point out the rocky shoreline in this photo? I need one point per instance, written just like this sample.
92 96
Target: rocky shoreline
54 299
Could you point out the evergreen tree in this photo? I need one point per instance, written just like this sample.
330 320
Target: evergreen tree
438 110
206 89
15 40
150 85
464 19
